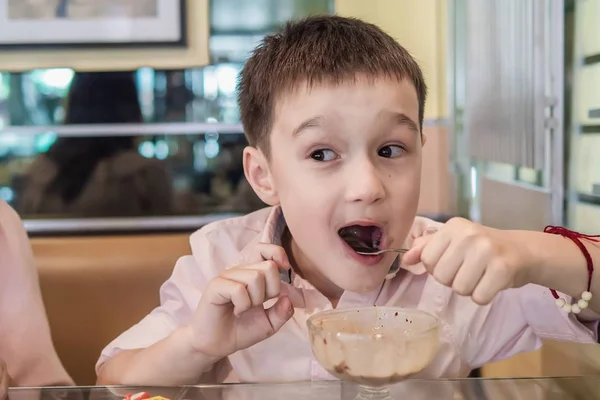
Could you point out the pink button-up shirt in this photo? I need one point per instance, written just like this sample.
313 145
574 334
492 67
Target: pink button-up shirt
471 335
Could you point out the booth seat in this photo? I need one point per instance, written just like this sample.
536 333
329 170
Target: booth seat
94 288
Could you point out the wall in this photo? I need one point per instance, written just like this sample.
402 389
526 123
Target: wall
421 27
586 145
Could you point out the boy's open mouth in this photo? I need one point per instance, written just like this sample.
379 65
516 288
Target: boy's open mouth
364 239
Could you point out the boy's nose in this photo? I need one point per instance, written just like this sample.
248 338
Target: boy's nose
364 183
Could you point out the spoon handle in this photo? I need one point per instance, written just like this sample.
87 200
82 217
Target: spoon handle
378 252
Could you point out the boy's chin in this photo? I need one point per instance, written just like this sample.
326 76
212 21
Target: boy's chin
360 284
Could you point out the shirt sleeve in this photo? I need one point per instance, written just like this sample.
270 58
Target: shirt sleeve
550 322
516 322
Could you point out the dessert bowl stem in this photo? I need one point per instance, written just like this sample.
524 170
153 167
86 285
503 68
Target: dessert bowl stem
373 393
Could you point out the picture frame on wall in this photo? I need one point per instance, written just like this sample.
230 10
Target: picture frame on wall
64 24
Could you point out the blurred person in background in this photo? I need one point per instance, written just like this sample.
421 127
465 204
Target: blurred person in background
231 186
98 176
27 355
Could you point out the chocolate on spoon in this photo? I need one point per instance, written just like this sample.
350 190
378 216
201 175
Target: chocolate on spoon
359 245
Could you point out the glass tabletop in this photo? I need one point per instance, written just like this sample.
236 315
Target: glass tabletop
515 389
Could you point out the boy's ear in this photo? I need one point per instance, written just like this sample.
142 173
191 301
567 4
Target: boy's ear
258 174
423 139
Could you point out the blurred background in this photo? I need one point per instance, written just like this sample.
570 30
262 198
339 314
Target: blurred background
120 133
513 116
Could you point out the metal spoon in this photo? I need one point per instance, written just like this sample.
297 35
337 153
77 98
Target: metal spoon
375 252
362 248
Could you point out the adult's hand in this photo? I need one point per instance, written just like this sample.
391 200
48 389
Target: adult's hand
4 381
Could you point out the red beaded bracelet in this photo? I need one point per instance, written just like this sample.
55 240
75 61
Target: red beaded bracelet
586 296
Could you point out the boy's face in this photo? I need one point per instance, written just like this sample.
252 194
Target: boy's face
345 161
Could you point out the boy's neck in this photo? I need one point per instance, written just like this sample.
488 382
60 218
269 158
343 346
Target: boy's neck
306 269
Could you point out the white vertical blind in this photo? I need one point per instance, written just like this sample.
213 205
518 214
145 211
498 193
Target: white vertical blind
507 81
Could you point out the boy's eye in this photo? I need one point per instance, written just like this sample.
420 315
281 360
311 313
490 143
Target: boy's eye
390 151
323 155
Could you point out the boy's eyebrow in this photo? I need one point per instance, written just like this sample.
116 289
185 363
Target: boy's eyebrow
396 117
309 123
404 120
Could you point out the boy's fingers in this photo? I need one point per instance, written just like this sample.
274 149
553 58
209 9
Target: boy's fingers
413 256
270 270
280 313
222 291
264 252
275 253
252 279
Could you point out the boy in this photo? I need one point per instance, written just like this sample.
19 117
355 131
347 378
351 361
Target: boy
333 111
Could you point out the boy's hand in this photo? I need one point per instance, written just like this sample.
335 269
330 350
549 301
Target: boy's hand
231 316
472 259
4 381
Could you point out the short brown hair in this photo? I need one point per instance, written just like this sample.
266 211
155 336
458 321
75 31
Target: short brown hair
315 50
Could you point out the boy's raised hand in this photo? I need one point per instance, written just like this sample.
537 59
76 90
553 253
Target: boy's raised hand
472 259
230 315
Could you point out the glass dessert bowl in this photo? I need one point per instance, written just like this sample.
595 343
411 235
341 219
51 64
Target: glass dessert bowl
373 346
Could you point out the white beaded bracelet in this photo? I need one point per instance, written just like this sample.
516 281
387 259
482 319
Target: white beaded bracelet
576 237
575 308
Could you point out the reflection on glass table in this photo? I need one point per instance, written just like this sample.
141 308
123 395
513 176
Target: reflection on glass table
466 389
